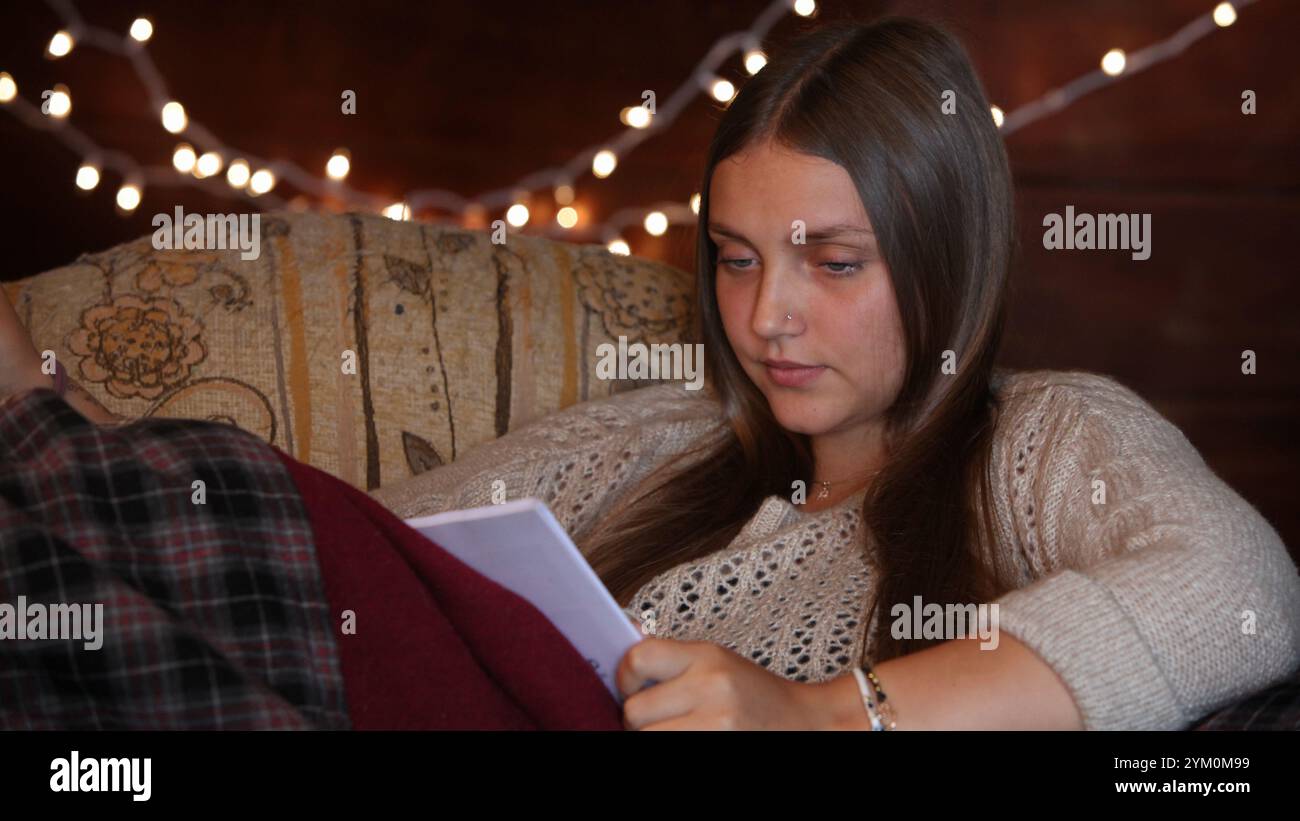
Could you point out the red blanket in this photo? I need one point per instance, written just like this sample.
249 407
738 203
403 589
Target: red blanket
437 645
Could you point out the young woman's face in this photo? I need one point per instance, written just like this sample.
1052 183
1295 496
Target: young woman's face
834 285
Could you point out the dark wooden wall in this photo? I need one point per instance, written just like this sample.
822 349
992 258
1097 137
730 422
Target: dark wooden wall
473 96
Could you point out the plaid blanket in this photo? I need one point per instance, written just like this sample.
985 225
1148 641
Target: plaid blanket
190 538
174 574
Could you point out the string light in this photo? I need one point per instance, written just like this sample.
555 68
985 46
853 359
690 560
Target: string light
261 182
208 165
604 163
398 211
173 117
722 90
656 223
87 177
128 197
998 116
637 116
517 215
141 29
618 246
60 102
1112 62
473 212
566 217
184 158
340 163
60 44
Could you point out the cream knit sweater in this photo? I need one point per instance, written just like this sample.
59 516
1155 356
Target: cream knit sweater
1170 599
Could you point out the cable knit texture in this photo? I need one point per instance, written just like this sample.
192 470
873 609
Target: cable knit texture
1152 588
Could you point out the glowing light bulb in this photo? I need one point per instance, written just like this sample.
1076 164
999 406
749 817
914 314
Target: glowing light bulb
695 203
998 116
1113 62
637 116
60 101
339 165
722 90
804 8
1225 15
517 215
173 117
656 223
754 61
128 197
237 174
398 211
261 182
8 88
87 177
183 158
208 165
60 44
567 216
141 29
618 246
604 163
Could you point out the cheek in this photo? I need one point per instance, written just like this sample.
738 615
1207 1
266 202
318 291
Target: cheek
872 332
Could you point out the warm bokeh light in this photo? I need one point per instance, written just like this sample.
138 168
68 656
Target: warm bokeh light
8 88
237 174
183 158
87 177
804 8
563 194
60 102
604 163
261 182
141 29
128 197
60 44
173 117
1225 15
339 165
637 116
517 215
998 116
656 223
754 61
567 217
618 246
398 211
1113 62
695 203
722 90
208 165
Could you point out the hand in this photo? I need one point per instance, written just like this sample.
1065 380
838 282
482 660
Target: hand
703 686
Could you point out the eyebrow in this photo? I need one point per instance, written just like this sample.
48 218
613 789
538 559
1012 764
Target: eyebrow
827 232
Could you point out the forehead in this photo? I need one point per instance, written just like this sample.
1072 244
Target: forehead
769 186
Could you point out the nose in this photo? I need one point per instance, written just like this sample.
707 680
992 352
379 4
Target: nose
776 299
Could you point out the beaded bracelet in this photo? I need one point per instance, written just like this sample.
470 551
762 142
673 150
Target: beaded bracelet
879 711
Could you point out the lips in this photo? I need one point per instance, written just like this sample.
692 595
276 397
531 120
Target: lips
791 374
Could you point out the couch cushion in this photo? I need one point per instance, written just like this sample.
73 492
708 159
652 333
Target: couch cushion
456 340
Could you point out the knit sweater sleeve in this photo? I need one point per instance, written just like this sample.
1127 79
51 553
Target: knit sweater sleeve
1158 593
577 460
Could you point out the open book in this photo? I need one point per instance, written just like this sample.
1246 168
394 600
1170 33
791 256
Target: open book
520 546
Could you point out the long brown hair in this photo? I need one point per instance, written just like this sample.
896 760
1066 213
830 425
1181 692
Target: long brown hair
937 187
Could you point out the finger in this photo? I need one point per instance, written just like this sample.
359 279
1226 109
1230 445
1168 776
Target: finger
662 702
653 659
